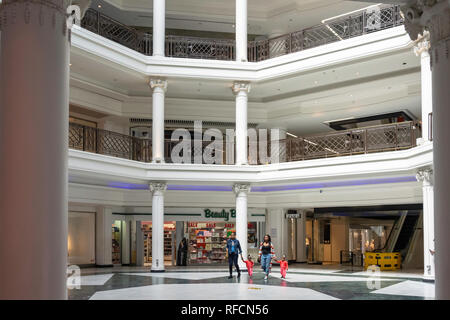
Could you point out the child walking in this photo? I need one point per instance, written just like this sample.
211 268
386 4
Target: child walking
249 263
283 266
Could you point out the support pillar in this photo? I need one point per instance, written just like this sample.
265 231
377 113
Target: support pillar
241 191
241 90
301 237
276 226
34 91
159 27
425 176
158 189
421 50
435 17
241 31
103 237
139 244
159 87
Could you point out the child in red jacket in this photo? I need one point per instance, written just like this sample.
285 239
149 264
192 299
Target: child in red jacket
283 266
249 263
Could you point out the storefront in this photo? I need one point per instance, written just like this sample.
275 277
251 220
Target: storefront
169 242
205 231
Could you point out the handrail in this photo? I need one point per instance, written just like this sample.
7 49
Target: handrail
395 136
344 27
387 137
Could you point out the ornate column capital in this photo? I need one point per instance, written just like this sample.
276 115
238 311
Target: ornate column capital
158 187
240 86
422 43
430 15
158 83
239 188
425 176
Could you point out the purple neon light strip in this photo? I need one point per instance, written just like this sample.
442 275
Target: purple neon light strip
129 186
333 184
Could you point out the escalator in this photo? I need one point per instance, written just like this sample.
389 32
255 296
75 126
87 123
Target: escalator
406 234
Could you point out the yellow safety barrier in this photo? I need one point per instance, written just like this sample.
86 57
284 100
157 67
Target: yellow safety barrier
385 260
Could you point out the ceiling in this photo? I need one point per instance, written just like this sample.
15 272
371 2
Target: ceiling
265 17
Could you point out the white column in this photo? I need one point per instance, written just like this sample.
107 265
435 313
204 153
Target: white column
241 90
157 189
159 87
301 237
425 176
241 30
34 92
139 244
241 191
126 241
103 237
275 221
436 18
159 27
421 50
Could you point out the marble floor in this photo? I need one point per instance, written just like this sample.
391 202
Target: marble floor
194 283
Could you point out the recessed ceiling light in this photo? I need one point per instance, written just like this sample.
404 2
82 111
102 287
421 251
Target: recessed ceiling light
99 5
357 73
315 82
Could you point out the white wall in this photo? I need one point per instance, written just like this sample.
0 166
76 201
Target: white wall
81 239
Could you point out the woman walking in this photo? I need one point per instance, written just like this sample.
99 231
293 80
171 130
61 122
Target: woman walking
182 253
266 254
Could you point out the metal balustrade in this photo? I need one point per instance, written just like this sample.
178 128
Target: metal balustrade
396 136
344 27
390 137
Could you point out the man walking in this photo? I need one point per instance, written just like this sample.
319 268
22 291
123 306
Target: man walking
234 250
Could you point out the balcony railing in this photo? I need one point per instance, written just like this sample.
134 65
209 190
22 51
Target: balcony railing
345 27
396 136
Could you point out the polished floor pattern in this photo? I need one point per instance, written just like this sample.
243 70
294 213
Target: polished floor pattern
211 291
409 288
303 284
180 275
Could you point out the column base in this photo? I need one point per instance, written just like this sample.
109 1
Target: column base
428 279
158 161
158 271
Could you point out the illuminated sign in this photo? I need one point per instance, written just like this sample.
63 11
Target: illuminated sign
223 214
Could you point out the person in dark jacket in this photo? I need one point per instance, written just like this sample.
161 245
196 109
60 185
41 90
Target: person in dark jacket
234 250
182 253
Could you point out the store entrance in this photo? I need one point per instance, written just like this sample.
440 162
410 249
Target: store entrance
169 243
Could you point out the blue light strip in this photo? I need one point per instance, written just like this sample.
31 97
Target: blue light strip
333 184
129 186
302 186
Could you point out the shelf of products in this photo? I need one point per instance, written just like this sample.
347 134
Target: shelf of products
207 242
116 255
168 240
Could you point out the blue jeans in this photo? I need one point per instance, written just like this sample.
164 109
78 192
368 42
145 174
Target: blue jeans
265 262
